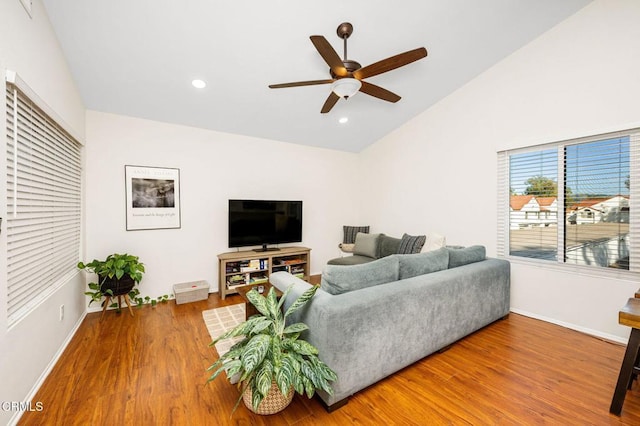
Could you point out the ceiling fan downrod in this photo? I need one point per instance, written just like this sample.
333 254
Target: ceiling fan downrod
344 31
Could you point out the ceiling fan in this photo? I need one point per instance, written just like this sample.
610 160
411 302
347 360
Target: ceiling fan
347 76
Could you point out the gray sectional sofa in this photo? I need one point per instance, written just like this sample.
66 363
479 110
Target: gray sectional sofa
369 321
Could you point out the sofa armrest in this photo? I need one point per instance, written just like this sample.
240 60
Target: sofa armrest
283 280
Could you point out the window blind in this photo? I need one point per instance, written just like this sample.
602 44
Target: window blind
575 202
634 202
43 204
533 212
597 202
503 203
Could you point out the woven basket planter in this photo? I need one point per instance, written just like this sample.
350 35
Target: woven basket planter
273 403
118 286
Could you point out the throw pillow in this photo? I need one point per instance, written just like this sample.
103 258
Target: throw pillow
412 265
464 256
410 244
347 248
350 232
434 242
387 245
338 279
366 245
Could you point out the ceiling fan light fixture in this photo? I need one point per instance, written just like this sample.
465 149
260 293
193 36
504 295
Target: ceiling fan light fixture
346 87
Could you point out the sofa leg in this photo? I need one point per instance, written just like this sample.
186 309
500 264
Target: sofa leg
505 317
446 348
333 407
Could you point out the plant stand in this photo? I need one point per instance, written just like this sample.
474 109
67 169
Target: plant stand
126 299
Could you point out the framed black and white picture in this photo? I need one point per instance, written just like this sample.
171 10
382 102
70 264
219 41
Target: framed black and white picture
152 197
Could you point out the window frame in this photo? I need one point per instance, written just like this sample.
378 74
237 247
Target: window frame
503 212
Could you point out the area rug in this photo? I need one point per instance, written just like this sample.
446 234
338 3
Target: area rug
219 320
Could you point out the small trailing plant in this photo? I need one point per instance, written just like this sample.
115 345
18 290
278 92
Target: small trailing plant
271 352
140 301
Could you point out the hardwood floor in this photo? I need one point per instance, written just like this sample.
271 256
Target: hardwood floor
150 370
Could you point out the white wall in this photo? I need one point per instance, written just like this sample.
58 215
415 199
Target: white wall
29 47
439 171
214 167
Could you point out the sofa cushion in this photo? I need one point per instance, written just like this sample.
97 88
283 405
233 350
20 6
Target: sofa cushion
366 244
387 245
338 279
411 244
412 265
464 256
356 259
350 232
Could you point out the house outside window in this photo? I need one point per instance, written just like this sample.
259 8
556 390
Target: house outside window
573 202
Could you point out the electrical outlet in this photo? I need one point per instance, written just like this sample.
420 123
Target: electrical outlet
61 312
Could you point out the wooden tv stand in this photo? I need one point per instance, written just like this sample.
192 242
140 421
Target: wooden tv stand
241 268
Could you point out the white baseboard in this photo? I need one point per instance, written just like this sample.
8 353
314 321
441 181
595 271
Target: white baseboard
32 393
591 332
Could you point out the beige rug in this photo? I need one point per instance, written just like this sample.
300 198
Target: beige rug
219 320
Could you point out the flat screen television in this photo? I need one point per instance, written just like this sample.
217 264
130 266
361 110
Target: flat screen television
263 222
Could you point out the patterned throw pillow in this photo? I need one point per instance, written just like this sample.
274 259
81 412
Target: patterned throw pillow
351 231
410 244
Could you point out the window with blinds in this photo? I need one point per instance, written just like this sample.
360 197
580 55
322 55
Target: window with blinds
575 202
43 204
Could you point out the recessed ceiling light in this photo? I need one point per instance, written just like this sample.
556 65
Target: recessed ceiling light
199 84
343 120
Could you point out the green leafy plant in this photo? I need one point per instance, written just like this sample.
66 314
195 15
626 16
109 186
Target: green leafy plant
115 267
271 351
140 301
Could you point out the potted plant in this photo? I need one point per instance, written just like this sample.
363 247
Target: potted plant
272 361
118 274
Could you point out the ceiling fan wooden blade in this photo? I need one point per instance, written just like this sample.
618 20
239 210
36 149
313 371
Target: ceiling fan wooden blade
300 83
391 63
329 55
379 92
329 103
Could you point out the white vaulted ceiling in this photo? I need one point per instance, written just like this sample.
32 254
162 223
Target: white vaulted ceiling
138 58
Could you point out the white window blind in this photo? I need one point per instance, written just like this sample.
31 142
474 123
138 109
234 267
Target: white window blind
43 204
597 202
533 217
575 202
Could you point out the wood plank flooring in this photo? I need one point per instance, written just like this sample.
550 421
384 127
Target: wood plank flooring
150 370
